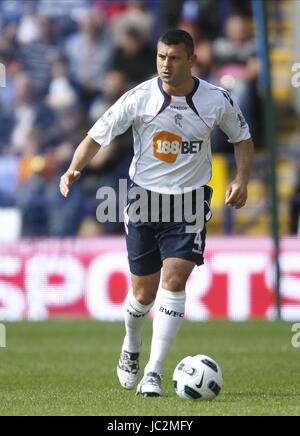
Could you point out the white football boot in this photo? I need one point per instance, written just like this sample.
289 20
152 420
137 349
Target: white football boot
128 369
150 386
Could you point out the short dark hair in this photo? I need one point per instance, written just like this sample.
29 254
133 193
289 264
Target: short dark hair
178 36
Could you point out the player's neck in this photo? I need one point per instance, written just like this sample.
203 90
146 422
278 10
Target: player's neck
181 90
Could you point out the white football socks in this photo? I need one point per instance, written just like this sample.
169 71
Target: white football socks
135 316
166 324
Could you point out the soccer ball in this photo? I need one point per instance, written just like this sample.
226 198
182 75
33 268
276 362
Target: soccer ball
198 378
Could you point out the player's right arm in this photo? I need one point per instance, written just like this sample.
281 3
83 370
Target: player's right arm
85 152
116 120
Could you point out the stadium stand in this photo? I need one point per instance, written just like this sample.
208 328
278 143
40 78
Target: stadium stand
66 62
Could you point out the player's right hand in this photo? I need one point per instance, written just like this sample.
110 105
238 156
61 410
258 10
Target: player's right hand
67 181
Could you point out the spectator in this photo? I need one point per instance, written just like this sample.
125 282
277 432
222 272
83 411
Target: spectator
88 52
135 16
115 86
7 95
24 115
61 93
29 30
39 55
236 69
204 66
8 50
237 66
30 117
135 58
205 14
32 203
8 40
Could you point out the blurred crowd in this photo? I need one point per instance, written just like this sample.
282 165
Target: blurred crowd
67 62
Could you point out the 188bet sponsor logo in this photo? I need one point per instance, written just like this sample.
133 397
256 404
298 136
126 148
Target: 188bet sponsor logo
167 146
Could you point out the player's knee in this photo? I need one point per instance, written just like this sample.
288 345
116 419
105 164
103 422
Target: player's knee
145 296
174 283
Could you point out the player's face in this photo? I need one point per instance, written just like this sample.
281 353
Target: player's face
173 63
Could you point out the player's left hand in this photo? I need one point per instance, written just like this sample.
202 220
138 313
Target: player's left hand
236 195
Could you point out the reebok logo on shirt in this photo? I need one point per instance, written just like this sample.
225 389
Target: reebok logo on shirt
179 108
167 146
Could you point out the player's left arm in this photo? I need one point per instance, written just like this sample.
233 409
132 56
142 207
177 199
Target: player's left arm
234 125
237 192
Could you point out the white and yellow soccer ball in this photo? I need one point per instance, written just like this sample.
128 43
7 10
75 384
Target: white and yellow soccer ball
198 378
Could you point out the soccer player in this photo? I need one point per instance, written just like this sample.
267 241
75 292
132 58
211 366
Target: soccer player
172 117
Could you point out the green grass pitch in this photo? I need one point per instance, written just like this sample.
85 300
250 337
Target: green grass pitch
68 368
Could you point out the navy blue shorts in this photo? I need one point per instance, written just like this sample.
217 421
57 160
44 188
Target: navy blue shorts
150 243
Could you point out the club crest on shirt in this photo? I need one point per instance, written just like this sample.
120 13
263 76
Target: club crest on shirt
107 118
178 120
242 121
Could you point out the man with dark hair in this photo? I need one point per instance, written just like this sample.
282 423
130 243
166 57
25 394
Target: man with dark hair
175 37
172 117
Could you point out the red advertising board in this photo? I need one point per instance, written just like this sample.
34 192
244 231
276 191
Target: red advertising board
82 278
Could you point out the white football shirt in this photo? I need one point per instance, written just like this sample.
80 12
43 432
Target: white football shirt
172 147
